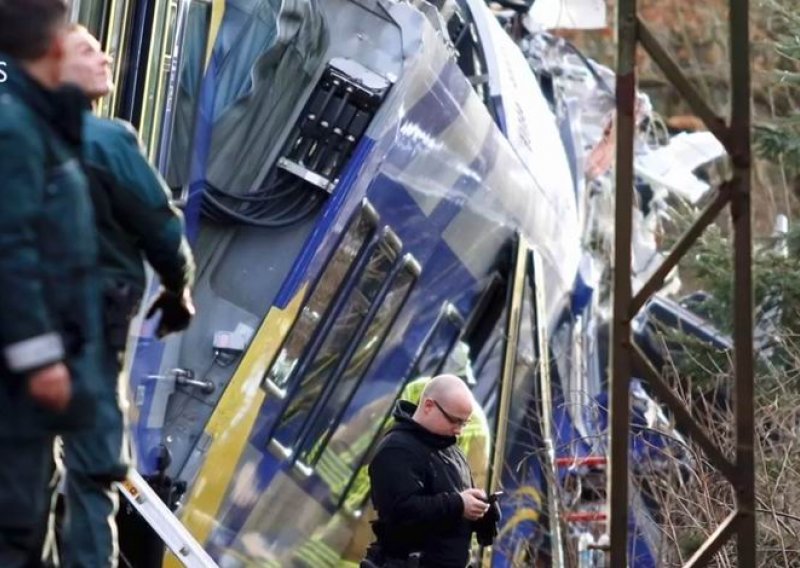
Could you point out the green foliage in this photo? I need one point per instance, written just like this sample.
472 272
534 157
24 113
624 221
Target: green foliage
776 277
776 291
779 141
695 361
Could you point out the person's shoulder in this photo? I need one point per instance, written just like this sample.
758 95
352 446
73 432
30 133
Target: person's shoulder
399 439
15 116
111 145
393 451
100 131
18 130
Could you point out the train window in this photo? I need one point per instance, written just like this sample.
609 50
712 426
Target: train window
157 73
312 376
186 60
350 247
518 357
470 57
480 323
437 348
488 364
91 14
344 462
486 314
118 35
365 346
483 333
522 386
523 415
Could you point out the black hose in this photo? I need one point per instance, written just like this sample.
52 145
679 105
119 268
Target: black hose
215 210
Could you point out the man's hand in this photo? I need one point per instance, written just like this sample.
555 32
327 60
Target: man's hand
475 505
176 311
51 387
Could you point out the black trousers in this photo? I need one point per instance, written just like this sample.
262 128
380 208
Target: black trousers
26 469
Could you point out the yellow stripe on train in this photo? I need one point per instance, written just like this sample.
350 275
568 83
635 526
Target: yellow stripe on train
217 13
231 423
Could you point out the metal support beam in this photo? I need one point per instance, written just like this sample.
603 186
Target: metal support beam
620 375
740 151
735 136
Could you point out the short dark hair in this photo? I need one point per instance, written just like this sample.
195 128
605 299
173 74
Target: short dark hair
27 27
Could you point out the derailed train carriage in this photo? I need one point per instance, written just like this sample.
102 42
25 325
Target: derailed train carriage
367 184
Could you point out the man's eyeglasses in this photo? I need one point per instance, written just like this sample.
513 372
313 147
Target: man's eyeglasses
454 420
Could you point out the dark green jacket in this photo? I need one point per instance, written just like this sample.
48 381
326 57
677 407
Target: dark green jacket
49 294
135 219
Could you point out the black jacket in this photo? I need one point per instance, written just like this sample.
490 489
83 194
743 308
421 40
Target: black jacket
416 477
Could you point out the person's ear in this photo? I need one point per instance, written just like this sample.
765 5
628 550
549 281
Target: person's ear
58 48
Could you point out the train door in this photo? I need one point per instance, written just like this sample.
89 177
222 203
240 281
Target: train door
520 408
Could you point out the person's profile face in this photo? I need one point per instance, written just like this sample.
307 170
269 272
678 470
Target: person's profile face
444 421
85 65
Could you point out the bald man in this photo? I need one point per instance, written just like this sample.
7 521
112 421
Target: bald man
421 483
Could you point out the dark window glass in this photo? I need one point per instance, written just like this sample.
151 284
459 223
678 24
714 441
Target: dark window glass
331 410
311 379
350 247
186 65
441 343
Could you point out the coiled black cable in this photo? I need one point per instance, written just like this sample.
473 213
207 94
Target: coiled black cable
287 201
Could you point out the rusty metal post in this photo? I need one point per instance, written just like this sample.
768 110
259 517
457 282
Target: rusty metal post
740 151
735 136
619 377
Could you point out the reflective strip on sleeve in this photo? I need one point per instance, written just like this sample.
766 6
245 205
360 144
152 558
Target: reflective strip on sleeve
34 352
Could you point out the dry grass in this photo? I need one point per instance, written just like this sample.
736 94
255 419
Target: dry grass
695 500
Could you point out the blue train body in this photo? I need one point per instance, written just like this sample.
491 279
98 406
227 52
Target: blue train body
430 204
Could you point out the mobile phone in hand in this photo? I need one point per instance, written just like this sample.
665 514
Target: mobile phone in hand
494 497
